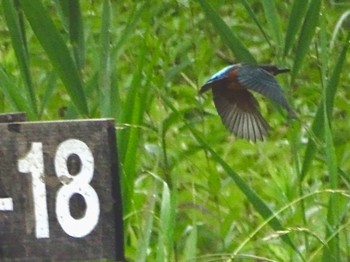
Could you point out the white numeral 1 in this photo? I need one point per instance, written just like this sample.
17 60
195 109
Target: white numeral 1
33 163
6 204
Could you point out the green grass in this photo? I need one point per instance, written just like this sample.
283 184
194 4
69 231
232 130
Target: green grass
191 191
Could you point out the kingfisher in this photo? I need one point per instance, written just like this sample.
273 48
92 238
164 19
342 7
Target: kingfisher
236 105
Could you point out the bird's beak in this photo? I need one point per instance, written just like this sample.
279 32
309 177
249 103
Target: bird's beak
280 71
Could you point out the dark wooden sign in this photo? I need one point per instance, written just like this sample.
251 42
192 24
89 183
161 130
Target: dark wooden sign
59 191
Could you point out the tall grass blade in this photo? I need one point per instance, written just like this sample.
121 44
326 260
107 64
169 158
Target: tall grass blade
146 229
76 33
167 223
318 123
70 14
335 77
128 138
341 22
273 21
50 87
10 91
57 51
135 16
105 65
18 38
239 50
117 109
307 33
296 17
251 12
332 252
191 245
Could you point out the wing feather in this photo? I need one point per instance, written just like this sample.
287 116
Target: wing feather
242 119
259 80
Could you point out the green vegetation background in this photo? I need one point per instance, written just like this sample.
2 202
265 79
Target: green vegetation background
193 192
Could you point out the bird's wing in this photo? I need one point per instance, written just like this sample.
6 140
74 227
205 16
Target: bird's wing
263 82
223 81
240 113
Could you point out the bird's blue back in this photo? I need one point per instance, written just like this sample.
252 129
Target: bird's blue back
221 74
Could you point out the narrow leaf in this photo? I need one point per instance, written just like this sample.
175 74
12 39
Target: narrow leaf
76 32
105 66
299 8
166 225
333 215
332 252
191 245
10 90
239 50
58 53
255 19
306 35
318 124
146 229
273 21
18 39
129 137
50 87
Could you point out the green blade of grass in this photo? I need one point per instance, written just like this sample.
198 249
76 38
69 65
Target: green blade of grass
10 91
146 229
105 66
131 25
255 19
58 53
299 8
332 252
335 77
167 224
333 217
18 39
318 122
128 138
273 21
71 17
51 84
342 21
76 32
117 110
191 245
239 50
307 33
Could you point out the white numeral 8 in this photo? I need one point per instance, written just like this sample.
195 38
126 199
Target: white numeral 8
76 184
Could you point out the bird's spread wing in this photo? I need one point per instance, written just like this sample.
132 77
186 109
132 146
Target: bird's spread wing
239 113
261 81
214 84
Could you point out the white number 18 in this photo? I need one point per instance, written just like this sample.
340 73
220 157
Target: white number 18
33 163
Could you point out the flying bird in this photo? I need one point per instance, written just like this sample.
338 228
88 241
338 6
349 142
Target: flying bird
236 105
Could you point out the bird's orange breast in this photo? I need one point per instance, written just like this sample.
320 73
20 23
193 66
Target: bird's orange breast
233 83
